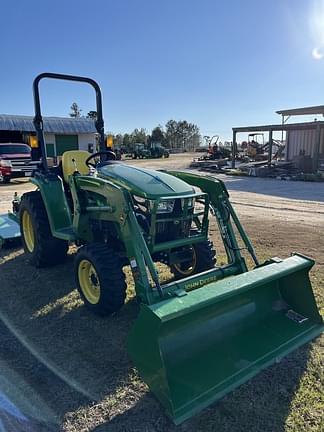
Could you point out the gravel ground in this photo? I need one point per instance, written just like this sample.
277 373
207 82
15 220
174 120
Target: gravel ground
267 197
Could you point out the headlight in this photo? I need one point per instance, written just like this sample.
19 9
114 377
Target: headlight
139 200
142 203
191 202
165 206
5 163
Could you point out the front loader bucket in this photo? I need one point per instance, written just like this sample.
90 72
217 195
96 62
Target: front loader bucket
192 350
9 229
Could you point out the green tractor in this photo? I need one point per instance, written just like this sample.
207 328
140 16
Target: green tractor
212 327
158 151
140 152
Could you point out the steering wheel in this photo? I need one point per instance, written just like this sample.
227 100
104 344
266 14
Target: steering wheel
111 156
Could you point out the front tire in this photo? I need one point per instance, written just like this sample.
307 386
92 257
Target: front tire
41 248
100 279
203 258
6 179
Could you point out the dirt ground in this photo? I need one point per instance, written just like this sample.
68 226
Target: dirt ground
74 369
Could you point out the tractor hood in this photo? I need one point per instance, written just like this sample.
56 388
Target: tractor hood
147 183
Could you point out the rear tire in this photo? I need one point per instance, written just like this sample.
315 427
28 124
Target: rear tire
100 279
6 180
203 258
41 248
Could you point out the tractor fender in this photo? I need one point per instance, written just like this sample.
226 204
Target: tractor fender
57 208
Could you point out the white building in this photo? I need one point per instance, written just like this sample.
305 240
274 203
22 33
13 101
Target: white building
61 134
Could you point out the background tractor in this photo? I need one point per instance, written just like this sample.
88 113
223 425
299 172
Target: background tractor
158 151
140 152
154 150
209 329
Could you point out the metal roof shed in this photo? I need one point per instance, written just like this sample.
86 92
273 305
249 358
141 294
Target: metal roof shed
56 125
61 133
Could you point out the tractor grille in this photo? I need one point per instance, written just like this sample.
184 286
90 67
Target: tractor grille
172 230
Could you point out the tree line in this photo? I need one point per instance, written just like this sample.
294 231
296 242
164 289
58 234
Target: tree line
176 135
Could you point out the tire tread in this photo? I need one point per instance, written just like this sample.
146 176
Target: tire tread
111 276
48 249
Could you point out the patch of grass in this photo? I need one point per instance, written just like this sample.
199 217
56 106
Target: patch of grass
307 406
83 374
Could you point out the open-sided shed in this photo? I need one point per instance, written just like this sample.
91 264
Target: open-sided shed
302 139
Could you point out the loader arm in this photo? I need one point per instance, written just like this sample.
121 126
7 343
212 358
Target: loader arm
215 332
219 199
115 207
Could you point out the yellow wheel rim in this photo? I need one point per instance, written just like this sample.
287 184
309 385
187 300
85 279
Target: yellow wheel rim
28 231
89 281
188 271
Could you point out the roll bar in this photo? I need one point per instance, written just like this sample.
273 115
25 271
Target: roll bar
38 119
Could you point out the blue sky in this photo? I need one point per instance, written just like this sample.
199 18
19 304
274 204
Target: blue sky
218 64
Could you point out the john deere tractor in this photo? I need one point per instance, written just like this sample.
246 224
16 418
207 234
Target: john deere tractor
209 329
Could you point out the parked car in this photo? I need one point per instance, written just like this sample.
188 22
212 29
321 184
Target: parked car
15 161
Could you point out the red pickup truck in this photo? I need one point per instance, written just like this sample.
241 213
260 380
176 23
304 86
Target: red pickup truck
15 161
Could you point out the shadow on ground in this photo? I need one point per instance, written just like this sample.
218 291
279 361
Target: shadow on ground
64 366
60 351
